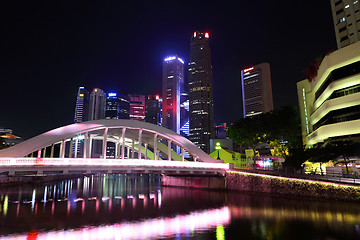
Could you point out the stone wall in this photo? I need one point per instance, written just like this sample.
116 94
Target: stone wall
251 182
203 182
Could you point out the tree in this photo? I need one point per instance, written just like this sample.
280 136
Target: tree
344 149
281 127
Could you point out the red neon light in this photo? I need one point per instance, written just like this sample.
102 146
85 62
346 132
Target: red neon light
248 69
157 97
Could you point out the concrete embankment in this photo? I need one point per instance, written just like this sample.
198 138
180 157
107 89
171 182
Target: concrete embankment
203 182
309 189
267 184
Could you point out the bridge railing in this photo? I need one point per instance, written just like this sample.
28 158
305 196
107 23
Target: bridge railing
107 162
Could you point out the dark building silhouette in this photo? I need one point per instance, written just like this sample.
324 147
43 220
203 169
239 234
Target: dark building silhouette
153 109
201 104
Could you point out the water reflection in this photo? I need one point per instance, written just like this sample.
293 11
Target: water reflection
136 207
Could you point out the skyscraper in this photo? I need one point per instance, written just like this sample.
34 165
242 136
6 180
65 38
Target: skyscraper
137 107
82 106
346 18
153 110
97 104
172 87
201 103
117 106
256 90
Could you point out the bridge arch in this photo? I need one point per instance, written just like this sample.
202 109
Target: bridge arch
110 138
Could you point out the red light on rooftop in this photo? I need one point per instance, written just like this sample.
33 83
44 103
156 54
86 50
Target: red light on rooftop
207 35
157 97
248 69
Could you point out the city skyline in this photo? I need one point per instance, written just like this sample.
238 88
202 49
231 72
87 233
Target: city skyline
50 54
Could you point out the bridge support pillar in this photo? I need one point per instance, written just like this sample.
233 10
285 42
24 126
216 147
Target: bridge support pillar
123 143
62 148
146 149
105 142
182 154
155 146
70 148
132 148
52 150
169 150
140 143
85 150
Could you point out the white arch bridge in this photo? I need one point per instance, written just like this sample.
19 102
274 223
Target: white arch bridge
109 146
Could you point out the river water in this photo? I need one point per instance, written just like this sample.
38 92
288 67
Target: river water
137 207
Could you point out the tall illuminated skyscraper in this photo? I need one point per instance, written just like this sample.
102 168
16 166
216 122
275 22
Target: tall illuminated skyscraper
97 104
346 17
256 90
172 88
201 103
82 106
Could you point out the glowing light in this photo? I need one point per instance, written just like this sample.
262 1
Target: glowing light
207 35
248 69
81 95
220 232
112 94
157 97
169 59
194 34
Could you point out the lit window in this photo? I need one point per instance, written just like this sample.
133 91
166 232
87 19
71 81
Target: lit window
347 6
342 20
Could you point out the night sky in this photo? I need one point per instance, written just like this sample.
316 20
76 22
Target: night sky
50 49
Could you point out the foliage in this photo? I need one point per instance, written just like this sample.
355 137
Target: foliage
272 127
311 70
321 154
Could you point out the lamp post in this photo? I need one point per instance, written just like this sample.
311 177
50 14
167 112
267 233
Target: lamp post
218 147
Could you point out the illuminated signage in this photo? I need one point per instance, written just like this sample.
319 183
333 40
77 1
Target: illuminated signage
112 94
169 58
207 35
248 69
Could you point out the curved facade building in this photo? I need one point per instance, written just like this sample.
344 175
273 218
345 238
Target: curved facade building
119 138
330 104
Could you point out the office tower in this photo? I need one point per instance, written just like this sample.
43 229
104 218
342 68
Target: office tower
201 104
82 106
97 104
346 18
117 106
153 110
330 103
172 87
184 114
137 107
256 90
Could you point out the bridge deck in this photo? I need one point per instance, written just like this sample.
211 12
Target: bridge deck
21 166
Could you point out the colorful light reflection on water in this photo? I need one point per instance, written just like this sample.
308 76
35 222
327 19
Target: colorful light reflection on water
136 207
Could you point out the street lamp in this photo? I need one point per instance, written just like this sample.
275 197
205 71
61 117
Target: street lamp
218 147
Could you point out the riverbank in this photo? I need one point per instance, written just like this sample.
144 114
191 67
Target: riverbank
309 189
